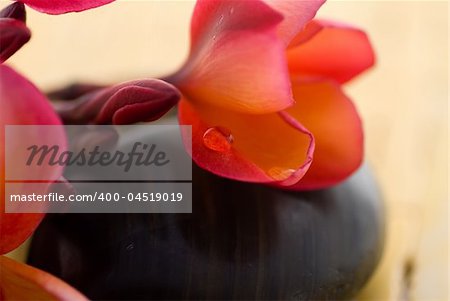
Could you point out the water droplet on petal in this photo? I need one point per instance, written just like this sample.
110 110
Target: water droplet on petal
231 10
280 173
218 139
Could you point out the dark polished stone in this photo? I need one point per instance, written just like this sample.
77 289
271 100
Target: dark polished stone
242 241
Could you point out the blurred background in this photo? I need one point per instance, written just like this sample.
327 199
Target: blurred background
403 102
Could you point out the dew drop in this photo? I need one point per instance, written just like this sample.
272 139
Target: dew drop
231 10
280 173
218 139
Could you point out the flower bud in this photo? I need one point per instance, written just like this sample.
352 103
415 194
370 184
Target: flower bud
126 103
14 11
13 31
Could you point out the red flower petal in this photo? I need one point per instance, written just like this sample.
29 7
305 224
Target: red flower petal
13 35
57 7
337 129
247 147
237 62
22 103
19 281
297 13
337 51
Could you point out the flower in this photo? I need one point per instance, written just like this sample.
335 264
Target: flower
23 104
262 91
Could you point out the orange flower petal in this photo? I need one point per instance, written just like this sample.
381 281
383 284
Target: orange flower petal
297 13
19 281
339 52
246 147
335 123
237 61
22 104
15 228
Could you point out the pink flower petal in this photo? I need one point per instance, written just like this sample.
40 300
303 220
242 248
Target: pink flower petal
19 281
339 52
297 13
237 61
247 147
57 7
22 104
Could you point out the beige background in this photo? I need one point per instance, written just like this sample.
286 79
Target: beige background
403 101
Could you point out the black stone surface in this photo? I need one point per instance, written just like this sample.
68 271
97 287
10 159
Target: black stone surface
242 241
